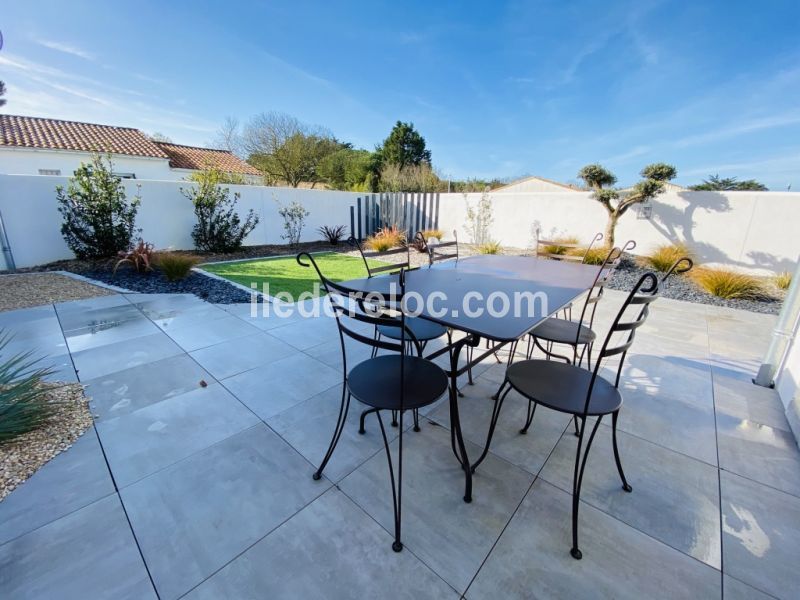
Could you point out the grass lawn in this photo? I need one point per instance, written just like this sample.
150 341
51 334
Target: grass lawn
284 274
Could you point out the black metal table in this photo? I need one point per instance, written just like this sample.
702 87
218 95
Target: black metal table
561 283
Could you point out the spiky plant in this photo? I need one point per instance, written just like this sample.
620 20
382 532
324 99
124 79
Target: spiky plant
23 401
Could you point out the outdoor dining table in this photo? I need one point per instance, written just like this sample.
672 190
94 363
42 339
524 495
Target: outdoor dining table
475 284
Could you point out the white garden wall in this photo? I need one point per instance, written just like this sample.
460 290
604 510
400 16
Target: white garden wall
752 230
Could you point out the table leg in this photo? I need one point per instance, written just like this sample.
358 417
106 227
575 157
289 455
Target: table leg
455 422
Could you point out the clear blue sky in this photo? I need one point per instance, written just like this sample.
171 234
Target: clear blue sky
497 88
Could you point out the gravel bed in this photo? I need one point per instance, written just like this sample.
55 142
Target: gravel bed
35 289
23 456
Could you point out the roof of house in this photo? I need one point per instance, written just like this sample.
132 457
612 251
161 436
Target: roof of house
54 134
191 157
512 184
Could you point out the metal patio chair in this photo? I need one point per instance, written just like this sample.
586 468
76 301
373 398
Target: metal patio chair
396 382
543 244
570 389
440 250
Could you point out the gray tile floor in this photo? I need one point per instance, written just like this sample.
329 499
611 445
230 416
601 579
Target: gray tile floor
196 479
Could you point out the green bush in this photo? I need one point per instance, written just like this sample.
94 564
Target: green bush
489 248
728 284
23 400
174 265
98 220
560 245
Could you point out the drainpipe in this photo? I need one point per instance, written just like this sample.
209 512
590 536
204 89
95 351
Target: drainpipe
5 246
782 335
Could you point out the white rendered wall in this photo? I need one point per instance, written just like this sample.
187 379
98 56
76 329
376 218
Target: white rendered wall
28 161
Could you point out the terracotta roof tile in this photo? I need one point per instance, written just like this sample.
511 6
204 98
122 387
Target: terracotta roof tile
54 134
190 157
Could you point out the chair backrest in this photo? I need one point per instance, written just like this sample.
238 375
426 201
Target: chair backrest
439 250
354 308
595 293
679 267
400 256
597 238
557 250
643 294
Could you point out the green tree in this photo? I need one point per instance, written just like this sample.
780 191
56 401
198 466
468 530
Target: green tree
98 220
2 93
715 183
285 149
617 202
346 169
404 146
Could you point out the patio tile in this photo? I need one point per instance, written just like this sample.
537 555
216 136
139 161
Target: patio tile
197 515
98 317
528 451
262 321
242 354
675 498
108 333
330 353
330 550
35 327
123 392
62 367
191 314
308 427
532 558
769 456
41 346
199 334
679 424
667 375
10 318
90 553
446 533
89 304
761 536
73 479
744 400
158 435
97 362
733 589
306 333
272 388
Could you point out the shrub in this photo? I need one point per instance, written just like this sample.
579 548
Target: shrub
421 245
333 235
560 245
294 218
140 257
174 265
489 248
386 239
728 284
98 220
596 255
663 257
219 227
23 401
783 280
479 219
433 233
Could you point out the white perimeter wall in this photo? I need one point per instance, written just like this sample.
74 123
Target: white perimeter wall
752 230
30 213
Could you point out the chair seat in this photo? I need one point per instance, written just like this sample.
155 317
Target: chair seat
562 331
376 382
423 329
562 387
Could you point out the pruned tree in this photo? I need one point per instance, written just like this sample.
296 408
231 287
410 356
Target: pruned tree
617 202
715 183
285 149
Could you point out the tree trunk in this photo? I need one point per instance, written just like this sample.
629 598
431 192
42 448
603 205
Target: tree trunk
611 225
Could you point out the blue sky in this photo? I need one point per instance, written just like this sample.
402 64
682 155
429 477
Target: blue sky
497 88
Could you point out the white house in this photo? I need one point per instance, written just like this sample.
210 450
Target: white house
37 146
535 184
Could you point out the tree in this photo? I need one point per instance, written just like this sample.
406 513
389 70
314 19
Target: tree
285 149
228 137
2 93
617 202
411 178
728 184
404 146
157 136
347 169
219 227
98 220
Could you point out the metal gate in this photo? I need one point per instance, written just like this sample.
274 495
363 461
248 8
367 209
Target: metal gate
410 211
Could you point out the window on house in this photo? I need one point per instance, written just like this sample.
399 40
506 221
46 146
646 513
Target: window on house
126 175
49 171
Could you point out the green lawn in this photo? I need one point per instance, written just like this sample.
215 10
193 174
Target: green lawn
284 274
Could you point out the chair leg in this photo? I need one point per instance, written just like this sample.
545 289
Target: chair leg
337 432
575 421
376 337
499 390
529 419
364 414
415 412
394 418
397 488
625 485
577 480
492 424
469 370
